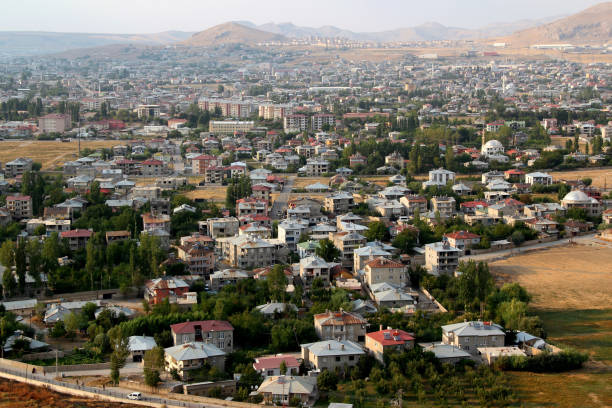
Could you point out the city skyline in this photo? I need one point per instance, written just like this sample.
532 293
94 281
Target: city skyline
139 16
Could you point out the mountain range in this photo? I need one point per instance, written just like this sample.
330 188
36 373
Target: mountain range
593 25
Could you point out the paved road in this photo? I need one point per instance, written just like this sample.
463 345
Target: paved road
489 256
280 204
111 391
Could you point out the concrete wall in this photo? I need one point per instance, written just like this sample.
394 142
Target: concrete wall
43 356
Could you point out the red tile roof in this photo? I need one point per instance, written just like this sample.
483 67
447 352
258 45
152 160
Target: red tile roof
394 337
461 235
206 325
266 363
77 233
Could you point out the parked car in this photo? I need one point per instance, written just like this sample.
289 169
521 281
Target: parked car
135 396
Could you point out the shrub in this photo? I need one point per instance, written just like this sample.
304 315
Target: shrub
545 362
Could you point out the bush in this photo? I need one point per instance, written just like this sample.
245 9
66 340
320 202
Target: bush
151 377
545 362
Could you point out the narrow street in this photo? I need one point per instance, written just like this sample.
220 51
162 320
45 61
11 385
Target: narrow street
280 204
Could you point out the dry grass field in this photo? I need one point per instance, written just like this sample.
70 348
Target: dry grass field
49 153
601 177
210 193
19 395
562 278
301 182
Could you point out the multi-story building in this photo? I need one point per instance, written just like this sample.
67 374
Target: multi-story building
159 222
381 270
219 333
538 178
220 227
445 206
313 267
192 356
295 123
200 259
20 206
17 167
166 287
289 233
77 239
331 355
388 341
469 336
339 203
462 240
414 204
251 206
440 177
148 111
441 258
340 326
54 123
246 251
200 163
152 167
230 127
269 111
347 242
227 108
314 167
321 120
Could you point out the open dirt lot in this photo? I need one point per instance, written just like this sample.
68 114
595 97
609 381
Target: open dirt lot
210 193
49 153
601 177
569 277
18 395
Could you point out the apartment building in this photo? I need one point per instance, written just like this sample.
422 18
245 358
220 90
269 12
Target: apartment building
339 202
347 242
382 269
246 251
414 204
289 233
313 267
251 206
314 167
441 258
200 259
340 326
193 356
270 111
295 123
17 167
148 111
230 127
20 206
445 206
220 227
54 123
201 162
439 177
463 240
77 239
321 120
228 108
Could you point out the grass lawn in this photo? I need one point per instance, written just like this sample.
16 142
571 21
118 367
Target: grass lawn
589 331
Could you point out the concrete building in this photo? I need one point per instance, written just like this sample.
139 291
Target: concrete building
245 251
388 341
320 120
347 242
331 354
439 177
148 111
340 326
270 366
200 259
216 332
445 206
441 258
468 336
20 206
54 123
280 390
289 232
77 239
538 178
193 356
578 199
313 267
382 269
17 167
339 203
295 123
230 127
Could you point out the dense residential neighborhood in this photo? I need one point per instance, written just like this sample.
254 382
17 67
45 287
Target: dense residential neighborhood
279 232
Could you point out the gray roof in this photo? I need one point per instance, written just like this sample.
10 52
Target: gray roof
287 385
194 351
474 329
333 348
141 343
271 308
446 351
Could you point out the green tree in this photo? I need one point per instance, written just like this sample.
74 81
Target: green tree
120 351
21 265
327 381
406 240
327 250
377 231
277 282
475 284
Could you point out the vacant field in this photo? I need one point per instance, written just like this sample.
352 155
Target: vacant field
577 277
17 395
210 193
601 177
301 182
49 153
582 388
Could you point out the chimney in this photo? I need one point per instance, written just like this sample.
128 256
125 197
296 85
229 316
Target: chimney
329 346
342 347
380 327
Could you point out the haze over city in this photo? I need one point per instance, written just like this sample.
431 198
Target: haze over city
142 16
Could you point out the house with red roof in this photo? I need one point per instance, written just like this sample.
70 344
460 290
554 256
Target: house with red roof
462 240
219 333
152 167
261 192
341 325
388 341
166 287
270 366
77 239
200 163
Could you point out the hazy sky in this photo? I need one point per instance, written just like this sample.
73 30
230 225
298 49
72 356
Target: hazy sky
147 16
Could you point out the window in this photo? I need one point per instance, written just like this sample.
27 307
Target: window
351 358
338 358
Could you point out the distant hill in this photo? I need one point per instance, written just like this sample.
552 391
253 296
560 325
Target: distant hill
231 33
425 32
590 26
24 43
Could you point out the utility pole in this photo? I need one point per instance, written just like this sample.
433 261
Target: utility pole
56 364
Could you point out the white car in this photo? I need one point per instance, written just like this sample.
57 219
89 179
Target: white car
135 396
